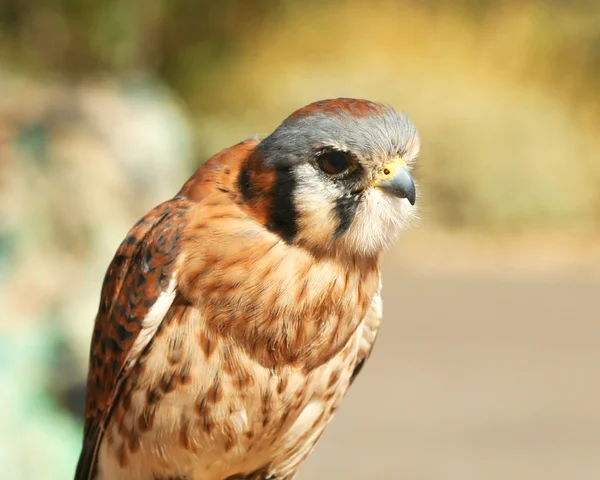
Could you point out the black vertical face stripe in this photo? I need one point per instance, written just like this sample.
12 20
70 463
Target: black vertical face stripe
283 212
345 210
245 184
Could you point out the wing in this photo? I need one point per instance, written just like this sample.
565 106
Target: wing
137 291
370 330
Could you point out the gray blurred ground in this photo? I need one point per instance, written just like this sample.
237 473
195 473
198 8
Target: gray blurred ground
474 378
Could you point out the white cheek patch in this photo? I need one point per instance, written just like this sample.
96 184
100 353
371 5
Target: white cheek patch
314 200
378 222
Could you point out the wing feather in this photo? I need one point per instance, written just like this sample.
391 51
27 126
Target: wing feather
138 289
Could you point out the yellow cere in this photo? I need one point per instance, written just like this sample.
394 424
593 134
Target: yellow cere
388 170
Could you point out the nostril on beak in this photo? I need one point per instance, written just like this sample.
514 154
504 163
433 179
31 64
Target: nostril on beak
401 185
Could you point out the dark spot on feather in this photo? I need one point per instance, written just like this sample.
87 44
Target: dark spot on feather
201 406
242 378
163 278
147 261
207 423
184 431
110 438
153 396
303 290
113 366
148 303
215 392
123 333
120 260
122 455
146 419
118 311
333 378
112 345
134 441
208 346
168 382
282 385
184 373
175 346
229 443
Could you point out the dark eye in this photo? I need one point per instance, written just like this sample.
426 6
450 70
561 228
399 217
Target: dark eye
334 162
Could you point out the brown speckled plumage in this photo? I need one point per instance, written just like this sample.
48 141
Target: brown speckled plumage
234 317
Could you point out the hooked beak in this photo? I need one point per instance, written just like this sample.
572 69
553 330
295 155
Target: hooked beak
396 180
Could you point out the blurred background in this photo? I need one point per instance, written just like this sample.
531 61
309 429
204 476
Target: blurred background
488 362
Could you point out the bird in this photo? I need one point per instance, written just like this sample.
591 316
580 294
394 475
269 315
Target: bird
235 316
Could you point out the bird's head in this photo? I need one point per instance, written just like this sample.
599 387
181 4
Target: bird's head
335 176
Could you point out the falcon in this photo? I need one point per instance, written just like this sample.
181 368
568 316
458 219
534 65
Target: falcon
234 317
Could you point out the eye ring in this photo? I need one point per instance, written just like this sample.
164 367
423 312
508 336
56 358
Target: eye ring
334 162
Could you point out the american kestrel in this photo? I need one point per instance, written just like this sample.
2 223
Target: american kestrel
234 317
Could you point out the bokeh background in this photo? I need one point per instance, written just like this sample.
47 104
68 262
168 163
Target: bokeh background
488 363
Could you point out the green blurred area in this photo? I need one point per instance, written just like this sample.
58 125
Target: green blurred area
529 68
106 107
